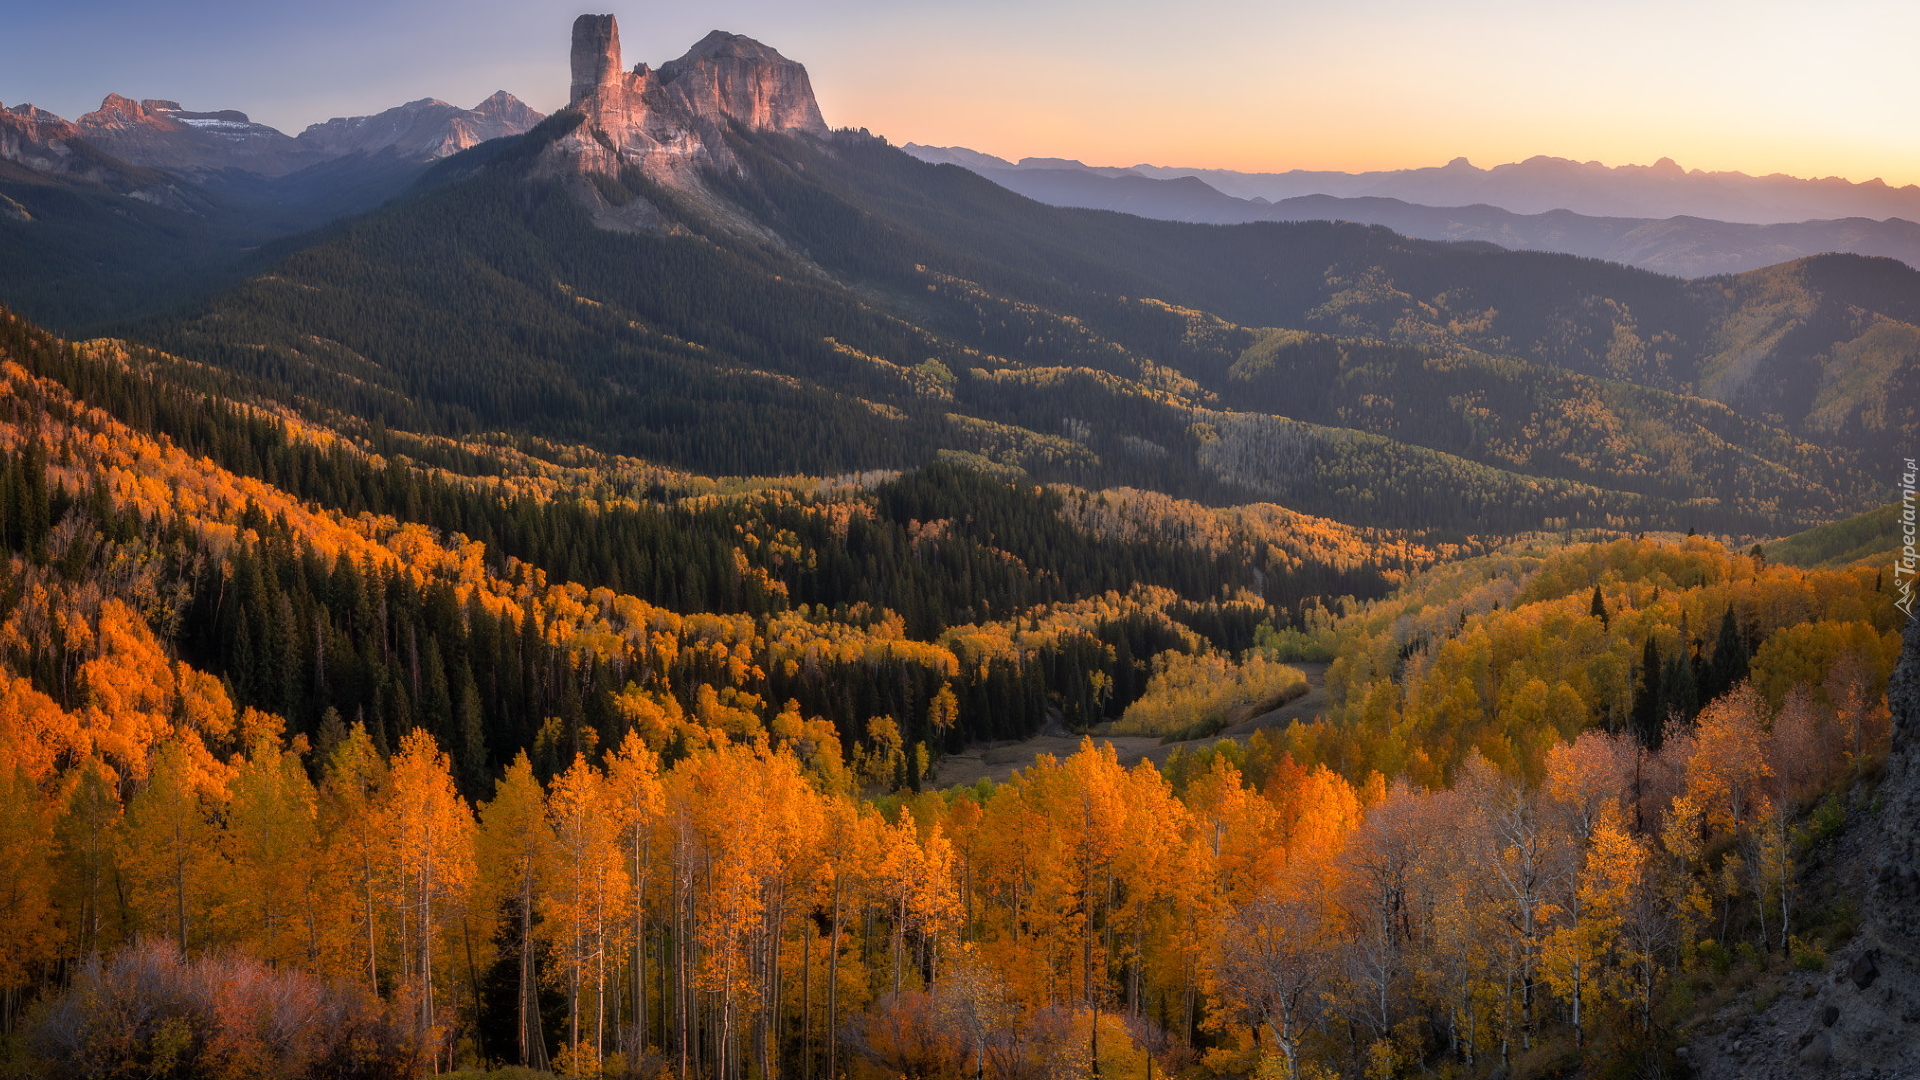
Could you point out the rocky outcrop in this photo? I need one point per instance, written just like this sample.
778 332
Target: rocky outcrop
424 130
727 77
595 60
160 134
1859 1018
1863 1017
1895 899
672 122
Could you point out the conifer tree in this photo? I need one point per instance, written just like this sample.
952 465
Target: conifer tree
1649 702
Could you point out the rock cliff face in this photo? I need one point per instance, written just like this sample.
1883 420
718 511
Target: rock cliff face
671 122
1864 1019
1876 988
37 139
163 135
1859 1019
424 130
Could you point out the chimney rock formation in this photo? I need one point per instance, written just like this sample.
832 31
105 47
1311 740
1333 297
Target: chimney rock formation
671 122
596 55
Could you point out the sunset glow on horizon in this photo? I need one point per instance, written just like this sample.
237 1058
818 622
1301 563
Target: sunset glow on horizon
1379 84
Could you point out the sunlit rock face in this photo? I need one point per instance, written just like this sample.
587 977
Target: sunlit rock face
670 122
39 140
162 134
35 142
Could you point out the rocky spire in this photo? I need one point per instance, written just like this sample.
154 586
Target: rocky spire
596 54
673 122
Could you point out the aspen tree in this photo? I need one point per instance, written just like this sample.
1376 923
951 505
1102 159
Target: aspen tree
429 843
271 842
169 850
637 801
354 860
515 847
28 930
587 885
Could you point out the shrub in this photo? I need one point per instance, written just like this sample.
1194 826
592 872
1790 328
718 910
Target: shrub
151 1014
1716 956
1808 957
1828 818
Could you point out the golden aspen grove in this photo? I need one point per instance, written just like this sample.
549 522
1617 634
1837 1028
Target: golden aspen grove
403 804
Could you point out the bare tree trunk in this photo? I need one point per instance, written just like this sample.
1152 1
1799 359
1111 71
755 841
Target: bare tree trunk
680 1003
806 998
833 987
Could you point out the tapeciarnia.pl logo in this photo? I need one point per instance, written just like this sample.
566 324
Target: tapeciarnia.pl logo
1909 561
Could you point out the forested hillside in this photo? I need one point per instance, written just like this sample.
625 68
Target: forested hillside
483 591
415 753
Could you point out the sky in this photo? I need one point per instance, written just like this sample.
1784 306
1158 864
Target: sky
1757 86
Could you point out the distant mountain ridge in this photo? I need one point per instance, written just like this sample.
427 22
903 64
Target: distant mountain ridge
1683 246
36 143
141 202
427 129
1534 186
160 134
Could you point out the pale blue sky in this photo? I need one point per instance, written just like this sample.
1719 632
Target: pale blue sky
1805 89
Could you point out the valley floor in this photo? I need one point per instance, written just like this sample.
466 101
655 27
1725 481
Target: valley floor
998 761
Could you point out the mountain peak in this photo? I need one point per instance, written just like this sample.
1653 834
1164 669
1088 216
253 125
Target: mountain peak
717 45
669 121
160 133
53 147
36 114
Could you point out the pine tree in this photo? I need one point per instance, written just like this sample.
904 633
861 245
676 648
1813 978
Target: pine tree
1678 688
1649 704
1729 663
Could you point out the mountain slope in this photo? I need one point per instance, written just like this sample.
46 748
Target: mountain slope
675 340
687 267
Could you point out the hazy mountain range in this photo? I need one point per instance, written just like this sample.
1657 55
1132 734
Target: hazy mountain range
161 134
141 203
1535 186
1708 223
